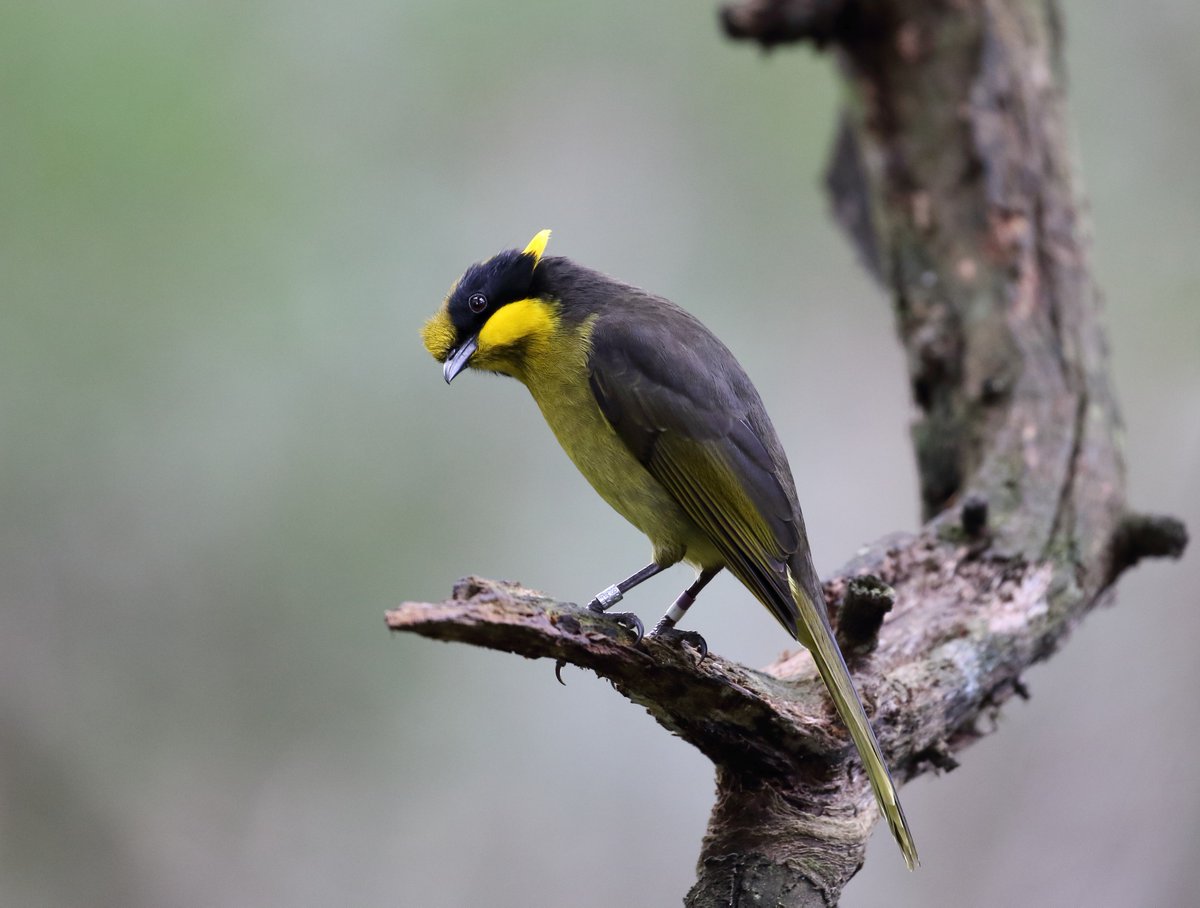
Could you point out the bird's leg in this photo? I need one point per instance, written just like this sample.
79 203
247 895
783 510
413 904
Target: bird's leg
666 625
609 597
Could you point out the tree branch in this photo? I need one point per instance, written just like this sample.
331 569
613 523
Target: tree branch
952 176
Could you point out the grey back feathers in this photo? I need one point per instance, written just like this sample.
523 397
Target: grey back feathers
684 406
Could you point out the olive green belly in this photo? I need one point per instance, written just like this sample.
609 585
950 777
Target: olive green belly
620 479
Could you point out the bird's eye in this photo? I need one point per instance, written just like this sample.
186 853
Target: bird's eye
477 302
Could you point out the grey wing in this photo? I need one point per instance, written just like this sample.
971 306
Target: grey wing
685 408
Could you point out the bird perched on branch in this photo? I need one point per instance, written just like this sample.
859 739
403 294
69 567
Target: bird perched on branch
661 419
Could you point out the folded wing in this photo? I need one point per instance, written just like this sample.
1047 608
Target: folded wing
678 398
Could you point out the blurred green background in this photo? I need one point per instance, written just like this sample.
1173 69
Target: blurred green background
225 454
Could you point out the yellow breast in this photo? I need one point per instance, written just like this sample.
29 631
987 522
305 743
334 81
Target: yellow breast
556 375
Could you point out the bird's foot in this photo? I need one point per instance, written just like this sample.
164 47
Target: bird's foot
627 620
679 637
609 597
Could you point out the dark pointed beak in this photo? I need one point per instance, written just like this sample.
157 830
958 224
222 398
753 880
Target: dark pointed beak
458 359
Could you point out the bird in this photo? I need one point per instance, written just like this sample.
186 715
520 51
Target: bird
666 426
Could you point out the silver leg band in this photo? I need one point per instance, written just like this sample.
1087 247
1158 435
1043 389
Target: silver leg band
609 597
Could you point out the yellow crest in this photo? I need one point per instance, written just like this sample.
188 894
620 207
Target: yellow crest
537 245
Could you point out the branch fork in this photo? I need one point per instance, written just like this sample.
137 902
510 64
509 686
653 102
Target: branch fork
952 177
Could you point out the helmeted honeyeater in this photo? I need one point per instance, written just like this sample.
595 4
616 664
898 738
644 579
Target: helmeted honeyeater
663 422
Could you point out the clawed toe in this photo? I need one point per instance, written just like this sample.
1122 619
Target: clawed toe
627 620
630 622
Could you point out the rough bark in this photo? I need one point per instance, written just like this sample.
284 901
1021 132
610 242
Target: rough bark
952 175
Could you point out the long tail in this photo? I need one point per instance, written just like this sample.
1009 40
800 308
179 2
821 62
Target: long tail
816 635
